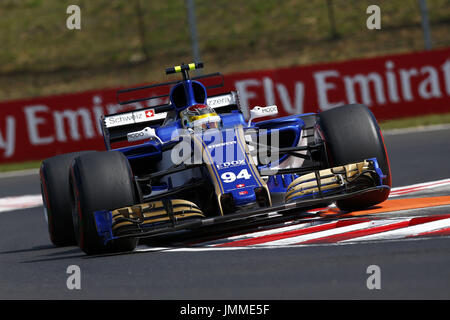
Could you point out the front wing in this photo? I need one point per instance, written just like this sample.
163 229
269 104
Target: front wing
168 216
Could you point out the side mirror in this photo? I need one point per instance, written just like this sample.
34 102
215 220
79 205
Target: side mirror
260 112
144 134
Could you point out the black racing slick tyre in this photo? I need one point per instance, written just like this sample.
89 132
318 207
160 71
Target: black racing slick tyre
55 190
352 134
100 181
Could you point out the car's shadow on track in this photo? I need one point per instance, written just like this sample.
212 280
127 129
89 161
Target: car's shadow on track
51 252
36 248
71 253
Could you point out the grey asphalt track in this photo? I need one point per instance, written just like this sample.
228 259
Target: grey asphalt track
31 268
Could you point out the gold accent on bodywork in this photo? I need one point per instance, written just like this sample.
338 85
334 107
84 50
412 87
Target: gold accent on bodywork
152 212
329 179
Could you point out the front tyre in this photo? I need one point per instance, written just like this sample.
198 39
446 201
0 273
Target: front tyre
100 181
352 134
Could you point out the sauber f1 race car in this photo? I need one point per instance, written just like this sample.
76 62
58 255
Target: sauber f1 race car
196 162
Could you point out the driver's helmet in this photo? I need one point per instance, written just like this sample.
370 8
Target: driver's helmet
200 117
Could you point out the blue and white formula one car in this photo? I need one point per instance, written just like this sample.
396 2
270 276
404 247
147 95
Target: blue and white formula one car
196 163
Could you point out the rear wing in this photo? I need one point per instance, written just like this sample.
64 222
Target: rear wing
116 126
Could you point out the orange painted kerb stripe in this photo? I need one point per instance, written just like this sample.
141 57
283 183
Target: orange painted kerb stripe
394 205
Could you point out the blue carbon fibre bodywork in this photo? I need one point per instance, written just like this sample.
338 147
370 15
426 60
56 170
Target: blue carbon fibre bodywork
232 158
103 223
188 94
245 192
230 166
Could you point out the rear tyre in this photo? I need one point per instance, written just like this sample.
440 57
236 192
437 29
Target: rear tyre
100 181
352 134
55 190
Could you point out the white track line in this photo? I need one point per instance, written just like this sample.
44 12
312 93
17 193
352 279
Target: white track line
187 249
418 129
19 173
256 234
402 231
20 202
418 187
405 232
320 234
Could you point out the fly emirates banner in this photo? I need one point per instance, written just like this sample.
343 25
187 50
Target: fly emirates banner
394 86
